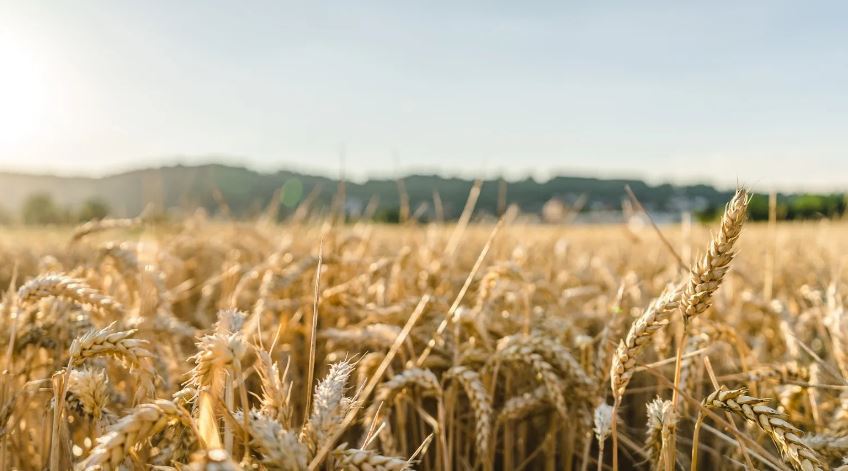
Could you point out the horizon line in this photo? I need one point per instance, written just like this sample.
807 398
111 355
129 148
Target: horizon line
509 177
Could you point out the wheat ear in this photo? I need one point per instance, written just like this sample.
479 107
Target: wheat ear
784 435
481 402
423 379
830 446
87 392
709 271
522 405
661 421
655 317
351 459
92 227
117 344
275 392
69 288
543 370
373 337
141 423
329 406
216 354
215 459
280 448
604 416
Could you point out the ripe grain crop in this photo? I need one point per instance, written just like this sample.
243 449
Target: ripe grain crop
187 343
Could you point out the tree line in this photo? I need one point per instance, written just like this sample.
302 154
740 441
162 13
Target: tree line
789 207
42 209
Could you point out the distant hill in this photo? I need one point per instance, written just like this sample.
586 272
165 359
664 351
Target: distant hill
246 193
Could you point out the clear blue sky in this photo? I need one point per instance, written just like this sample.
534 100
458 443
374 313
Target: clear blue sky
755 91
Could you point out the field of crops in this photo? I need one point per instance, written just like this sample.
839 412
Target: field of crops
214 345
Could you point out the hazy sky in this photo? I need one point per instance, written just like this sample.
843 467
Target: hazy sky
755 91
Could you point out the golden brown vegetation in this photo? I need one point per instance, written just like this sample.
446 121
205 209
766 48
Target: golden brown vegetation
136 345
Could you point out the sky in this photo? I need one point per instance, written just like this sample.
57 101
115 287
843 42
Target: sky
717 92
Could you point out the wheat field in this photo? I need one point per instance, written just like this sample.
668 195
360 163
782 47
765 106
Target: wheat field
212 345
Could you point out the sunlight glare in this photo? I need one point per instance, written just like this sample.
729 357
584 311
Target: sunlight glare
23 92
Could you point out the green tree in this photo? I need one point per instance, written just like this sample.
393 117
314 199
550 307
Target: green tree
93 208
39 208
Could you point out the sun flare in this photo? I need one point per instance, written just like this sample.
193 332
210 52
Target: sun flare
23 91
